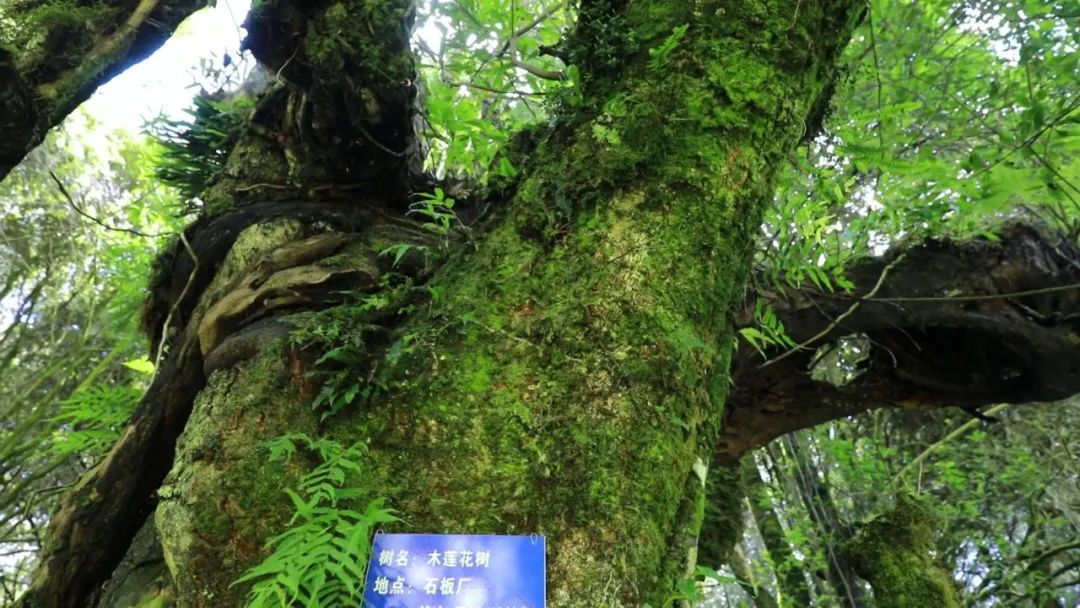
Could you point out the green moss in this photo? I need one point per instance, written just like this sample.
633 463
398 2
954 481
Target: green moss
895 553
253 160
339 41
41 32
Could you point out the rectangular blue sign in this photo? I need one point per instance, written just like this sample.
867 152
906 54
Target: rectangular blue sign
456 571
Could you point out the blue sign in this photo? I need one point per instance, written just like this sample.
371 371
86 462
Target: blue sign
456 571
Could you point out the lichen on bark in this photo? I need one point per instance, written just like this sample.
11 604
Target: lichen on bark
223 498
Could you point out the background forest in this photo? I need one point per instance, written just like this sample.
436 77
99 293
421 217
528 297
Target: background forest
954 121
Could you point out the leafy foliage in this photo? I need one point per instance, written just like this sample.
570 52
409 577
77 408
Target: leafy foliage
194 149
658 56
1004 493
487 68
94 416
72 270
437 209
769 330
691 590
321 559
954 118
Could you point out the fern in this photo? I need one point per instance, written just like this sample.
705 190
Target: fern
194 150
360 354
91 419
320 560
768 332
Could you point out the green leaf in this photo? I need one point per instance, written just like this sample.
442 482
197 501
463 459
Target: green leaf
141 365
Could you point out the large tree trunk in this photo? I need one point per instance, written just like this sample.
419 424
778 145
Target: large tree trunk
567 376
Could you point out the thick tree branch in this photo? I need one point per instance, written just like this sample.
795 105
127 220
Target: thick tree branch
69 60
956 324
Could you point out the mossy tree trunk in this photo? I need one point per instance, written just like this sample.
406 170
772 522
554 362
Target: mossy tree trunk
570 375
567 376
895 553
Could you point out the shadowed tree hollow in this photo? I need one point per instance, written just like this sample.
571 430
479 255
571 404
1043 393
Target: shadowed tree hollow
561 367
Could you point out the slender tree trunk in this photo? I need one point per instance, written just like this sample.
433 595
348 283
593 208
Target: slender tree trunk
833 528
744 571
791 578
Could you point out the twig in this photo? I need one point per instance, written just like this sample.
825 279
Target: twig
100 222
539 72
267 186
528 27
481 87
175 304
838 320
960 430
992 296
380 145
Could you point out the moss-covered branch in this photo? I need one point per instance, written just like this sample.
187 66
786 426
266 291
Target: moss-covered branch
928 343
54 55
